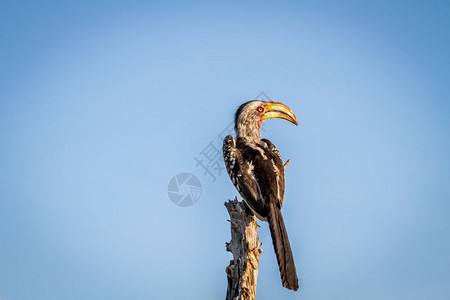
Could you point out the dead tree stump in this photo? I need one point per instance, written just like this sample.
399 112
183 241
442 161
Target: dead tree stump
242 272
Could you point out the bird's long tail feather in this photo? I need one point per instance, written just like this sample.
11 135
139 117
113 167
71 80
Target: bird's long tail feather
282 248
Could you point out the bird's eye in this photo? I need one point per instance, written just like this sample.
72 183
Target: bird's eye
260 109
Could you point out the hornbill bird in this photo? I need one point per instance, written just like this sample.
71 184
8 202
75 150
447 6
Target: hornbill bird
257 171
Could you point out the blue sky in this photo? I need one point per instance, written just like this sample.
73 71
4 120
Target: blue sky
102 103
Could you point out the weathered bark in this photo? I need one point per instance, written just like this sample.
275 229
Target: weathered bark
242 271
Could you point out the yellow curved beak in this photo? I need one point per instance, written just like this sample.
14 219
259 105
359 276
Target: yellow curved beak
279 110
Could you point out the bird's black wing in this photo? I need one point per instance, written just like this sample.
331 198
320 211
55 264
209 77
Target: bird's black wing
278 167
241 172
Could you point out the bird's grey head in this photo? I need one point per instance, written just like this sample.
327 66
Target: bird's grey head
250 115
